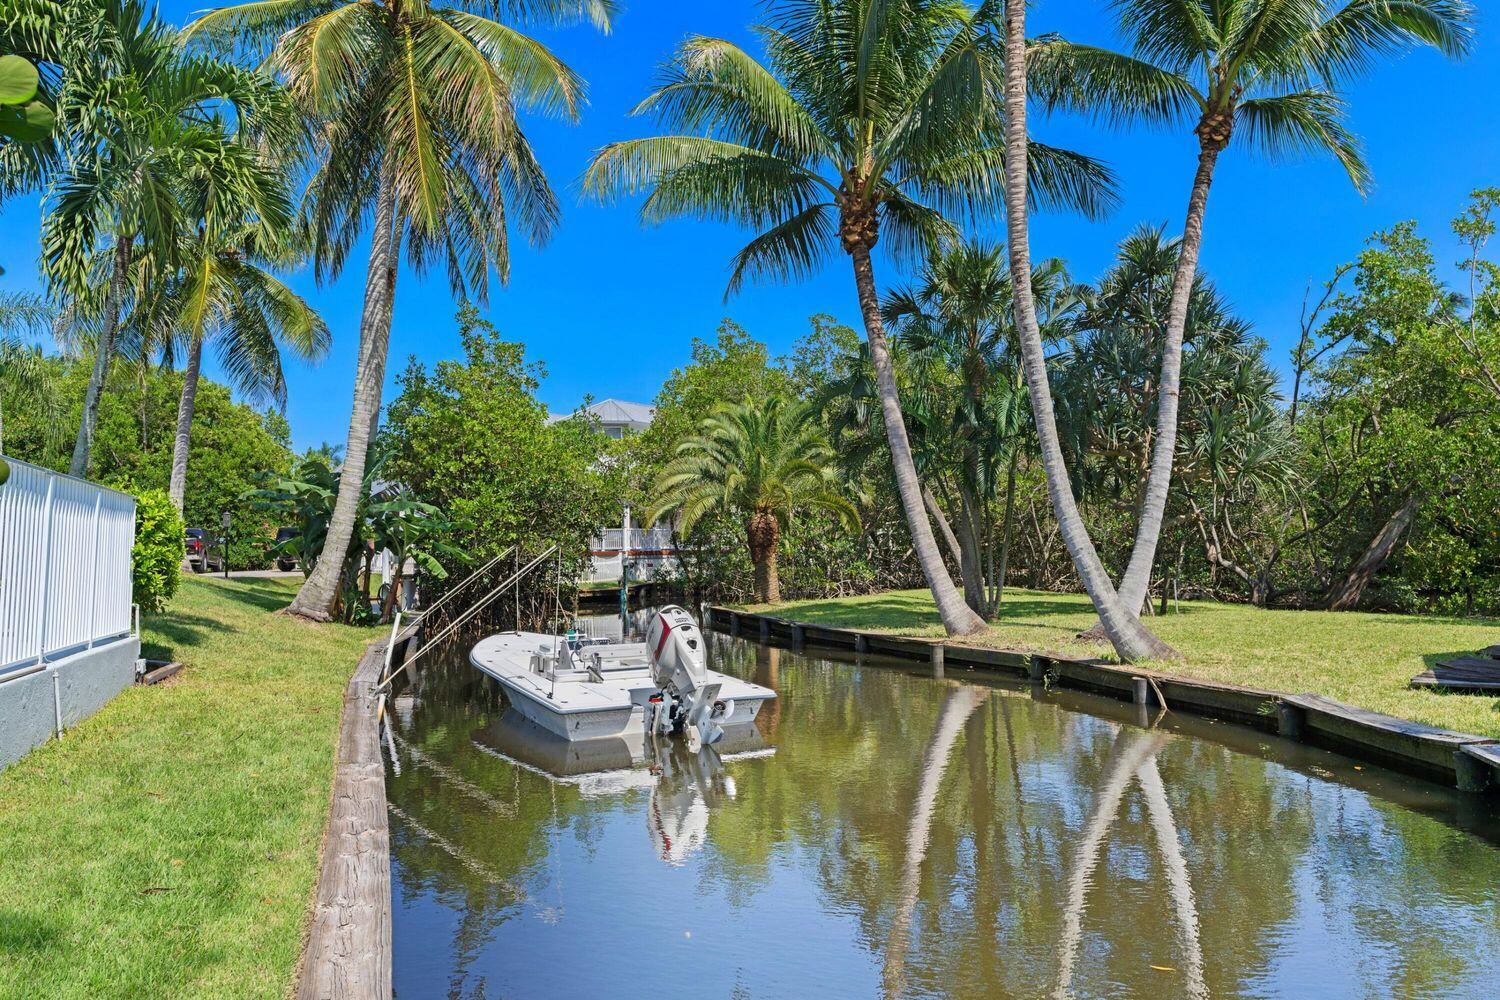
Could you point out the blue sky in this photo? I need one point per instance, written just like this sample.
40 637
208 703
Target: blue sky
610 308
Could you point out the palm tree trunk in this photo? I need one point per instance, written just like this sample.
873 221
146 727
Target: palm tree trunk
971 539
177 487
104 352
958 618
1137 578
941 520
1130 639
320 590
1010 512
763 533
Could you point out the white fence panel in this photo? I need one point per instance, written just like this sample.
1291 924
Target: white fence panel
64 565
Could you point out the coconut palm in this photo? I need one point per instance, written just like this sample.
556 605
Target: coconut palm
1268 71
868 123
415 107
1124 630
139 122
227 294
761 461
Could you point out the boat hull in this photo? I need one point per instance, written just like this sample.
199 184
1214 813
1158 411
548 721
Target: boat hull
589 710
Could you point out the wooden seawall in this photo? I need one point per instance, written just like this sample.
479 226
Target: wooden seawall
1469 762
348 948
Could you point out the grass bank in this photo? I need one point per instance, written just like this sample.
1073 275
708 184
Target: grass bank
168 846
1363 659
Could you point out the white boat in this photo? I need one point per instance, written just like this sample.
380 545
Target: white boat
586 689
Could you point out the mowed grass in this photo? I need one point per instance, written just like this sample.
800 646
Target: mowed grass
1364 659
168 846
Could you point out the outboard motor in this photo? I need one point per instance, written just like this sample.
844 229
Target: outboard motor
679 667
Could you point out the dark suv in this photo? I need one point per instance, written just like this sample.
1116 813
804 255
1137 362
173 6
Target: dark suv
203 551
285 561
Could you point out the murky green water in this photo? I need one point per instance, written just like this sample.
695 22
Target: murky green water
888 833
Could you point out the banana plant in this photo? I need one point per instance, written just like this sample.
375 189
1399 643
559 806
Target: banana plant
24 116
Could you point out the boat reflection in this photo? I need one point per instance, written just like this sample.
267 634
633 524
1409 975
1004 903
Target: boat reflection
683 785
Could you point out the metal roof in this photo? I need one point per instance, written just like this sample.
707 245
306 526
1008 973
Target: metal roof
616 411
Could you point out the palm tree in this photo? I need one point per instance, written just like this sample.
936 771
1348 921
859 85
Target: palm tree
1130 639
227 294
414 104
959 317
138 121
760 460
1267 70
869 121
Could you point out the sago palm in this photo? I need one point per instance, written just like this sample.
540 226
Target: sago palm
1267 71
759 461
414 106
870 122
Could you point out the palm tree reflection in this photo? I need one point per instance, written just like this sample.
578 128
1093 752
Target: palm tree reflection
1134 757
959 704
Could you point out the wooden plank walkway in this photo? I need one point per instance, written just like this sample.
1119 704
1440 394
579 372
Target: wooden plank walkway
348 951
1467 673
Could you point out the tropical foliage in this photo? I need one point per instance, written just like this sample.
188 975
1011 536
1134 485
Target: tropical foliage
156 558
415 108
761 462
470 437
867 123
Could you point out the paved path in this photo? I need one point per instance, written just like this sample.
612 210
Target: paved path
259 574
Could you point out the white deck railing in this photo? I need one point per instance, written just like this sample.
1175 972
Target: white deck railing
64 566
648 539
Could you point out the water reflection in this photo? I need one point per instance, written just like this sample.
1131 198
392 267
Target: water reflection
893 835
682 784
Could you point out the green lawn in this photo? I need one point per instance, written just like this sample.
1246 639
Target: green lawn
168 846
1363 659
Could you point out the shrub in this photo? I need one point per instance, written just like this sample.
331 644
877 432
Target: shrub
156 560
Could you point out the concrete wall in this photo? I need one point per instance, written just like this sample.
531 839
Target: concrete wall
79 685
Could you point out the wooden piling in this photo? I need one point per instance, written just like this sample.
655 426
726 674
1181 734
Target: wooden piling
1291 721
1473 774
1140 690
799 637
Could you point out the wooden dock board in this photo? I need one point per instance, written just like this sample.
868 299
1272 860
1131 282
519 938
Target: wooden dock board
1387 736
1488 753
348 949
1468 673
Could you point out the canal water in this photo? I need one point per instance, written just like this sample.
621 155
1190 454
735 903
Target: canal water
884 832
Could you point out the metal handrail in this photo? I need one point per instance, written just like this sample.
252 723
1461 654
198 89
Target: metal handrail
483 603
471 578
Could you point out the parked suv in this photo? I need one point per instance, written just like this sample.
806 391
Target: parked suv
285 561
204 554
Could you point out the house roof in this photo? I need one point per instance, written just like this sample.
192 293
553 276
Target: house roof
616 411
